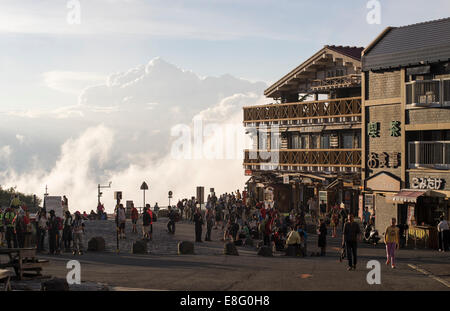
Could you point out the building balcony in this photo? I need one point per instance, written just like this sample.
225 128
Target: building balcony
342 110
331 160
337 82
429 154
428 93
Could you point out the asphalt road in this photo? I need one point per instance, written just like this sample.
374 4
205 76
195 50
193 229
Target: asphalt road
209 269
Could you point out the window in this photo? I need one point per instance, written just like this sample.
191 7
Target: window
315 142
294 141
325 141
347 140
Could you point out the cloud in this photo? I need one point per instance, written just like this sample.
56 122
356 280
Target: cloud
5 152
83 163
72 82
74 172
20 138
121 132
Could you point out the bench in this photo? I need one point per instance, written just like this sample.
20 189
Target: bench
23 260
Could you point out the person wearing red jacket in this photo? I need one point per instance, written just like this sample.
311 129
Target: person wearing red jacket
134 218
150 231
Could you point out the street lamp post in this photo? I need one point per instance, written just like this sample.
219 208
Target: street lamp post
170 196
144 187
100 193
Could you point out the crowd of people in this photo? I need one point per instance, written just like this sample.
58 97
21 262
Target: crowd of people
19 230
237 217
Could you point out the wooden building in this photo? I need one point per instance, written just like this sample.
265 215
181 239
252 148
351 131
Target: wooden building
406 113
308 142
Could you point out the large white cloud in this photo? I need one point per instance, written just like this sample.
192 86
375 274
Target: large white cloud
121 132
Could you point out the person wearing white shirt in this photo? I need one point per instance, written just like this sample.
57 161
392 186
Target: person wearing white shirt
443 232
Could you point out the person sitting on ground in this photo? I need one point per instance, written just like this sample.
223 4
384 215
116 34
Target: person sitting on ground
92 215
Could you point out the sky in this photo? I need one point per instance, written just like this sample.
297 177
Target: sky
111 86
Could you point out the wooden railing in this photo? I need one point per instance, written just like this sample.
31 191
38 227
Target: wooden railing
336 82
330 108
302 157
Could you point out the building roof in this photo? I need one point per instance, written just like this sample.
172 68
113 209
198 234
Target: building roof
327 55
411 45
352 51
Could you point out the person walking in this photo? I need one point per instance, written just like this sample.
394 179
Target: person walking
67 231
171 223
146 219
150 229
78 231
198 221
10 231
209 223
322 241
350 236
134 218
121 220
392 241
41 229
444 234
344 216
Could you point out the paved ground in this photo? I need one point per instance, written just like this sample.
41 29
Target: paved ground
209 269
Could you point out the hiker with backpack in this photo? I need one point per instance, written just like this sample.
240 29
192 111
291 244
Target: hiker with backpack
10 230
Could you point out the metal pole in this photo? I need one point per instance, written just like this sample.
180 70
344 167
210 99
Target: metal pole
117 225
144 199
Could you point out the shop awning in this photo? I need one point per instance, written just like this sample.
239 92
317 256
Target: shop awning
408 196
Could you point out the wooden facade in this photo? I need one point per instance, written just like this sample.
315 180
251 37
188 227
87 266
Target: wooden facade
309 139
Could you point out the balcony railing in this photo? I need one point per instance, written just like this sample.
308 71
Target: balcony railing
429 154
428 93
336 82
322 109
302 157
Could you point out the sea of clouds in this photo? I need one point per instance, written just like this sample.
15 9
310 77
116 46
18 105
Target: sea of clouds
125 130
